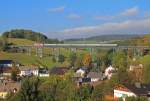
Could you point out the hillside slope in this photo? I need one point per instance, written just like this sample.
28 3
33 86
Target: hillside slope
17 41
102 38
25 59
139 41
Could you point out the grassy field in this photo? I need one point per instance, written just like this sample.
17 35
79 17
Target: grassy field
46 61
28 60
17 41
145 59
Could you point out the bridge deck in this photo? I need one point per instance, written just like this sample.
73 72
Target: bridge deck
82 46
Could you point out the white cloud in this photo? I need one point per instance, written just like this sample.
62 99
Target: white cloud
74 16
130 12
126 27
57 9
126 13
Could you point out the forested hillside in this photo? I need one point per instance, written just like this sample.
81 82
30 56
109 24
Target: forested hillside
30 35
139 41
102 38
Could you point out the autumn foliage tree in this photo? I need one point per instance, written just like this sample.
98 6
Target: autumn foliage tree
87 60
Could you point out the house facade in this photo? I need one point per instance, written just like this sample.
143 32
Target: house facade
123 91
80 72
43 73
134 67
6 63
6 71
95 76
109 71
29 70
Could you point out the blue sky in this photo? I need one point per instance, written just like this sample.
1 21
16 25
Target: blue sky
76 18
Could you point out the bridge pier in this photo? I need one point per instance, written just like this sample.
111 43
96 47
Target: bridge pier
39 52
56 52
114 47
92 50
29 50
134 52
73 50
113 50
137 52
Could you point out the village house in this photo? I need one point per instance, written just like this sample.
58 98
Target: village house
123 91
135 67
59 70
95 76
92 78
43 72
137 72
7 88
81 72
85 80
6 71
8 63
29 70
109 71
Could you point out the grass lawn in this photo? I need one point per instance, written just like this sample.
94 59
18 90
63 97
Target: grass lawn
46 61
145 59
28 60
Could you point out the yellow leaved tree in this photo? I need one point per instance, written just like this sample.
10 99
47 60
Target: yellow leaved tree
87 60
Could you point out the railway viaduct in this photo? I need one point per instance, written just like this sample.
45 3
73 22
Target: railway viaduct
39 47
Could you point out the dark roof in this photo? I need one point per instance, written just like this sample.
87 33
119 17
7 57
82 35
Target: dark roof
43 71
6 61
86 80
94 75
59 70
84 68
6 70
140 90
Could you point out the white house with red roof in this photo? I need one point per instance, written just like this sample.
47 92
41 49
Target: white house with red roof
123 91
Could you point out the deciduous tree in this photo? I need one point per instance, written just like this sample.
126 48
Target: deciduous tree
87 60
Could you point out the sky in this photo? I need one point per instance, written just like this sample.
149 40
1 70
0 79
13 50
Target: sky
65 19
